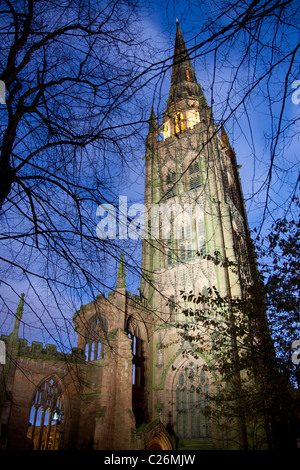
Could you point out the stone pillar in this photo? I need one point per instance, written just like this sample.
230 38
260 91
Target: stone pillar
124 417
114 418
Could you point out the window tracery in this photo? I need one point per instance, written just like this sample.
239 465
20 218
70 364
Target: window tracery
47 417
96 333
138 359
191 397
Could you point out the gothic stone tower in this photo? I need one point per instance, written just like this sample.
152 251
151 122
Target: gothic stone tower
129 383
194 208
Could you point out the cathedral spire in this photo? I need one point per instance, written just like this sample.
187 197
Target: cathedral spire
183 80
186 102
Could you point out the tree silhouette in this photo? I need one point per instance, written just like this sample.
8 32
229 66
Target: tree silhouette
69 132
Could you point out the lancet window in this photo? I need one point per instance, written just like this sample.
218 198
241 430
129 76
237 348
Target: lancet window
138 359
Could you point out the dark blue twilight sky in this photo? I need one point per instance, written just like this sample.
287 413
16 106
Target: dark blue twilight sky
251 119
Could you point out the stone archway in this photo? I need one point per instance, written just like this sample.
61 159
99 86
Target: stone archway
157 437
160 442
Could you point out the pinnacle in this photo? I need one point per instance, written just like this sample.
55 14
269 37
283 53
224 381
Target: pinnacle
19 311
121 273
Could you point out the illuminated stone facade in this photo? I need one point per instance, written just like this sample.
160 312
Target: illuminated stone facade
127 385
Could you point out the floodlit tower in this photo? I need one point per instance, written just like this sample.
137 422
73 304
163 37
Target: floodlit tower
195 209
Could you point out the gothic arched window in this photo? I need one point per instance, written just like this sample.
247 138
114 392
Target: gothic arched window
96 333
138 359
47 417
191 398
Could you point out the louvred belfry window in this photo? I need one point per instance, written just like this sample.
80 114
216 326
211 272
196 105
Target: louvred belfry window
194 175
171 184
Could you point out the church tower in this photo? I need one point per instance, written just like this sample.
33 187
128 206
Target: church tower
195 208
134 381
